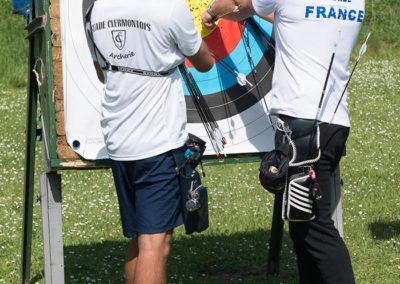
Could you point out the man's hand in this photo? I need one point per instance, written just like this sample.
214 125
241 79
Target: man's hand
235 10
207 20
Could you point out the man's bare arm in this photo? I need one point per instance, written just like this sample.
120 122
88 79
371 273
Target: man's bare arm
202 60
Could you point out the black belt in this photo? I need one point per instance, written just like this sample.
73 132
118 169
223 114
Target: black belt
299 126
130 70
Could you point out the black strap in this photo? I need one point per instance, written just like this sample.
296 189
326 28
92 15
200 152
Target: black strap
108 66
130 70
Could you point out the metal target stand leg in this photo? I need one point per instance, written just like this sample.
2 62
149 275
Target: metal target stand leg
275 242
50 201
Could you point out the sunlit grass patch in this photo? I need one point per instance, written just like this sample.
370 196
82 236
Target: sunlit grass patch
371 173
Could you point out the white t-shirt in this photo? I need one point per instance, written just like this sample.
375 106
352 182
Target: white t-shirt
307 32
143 116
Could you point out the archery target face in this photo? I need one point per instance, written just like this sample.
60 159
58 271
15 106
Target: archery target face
240 111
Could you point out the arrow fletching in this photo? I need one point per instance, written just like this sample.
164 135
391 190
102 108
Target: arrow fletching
241 79
363 48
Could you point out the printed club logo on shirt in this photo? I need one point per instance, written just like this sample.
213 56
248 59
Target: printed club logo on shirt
119 37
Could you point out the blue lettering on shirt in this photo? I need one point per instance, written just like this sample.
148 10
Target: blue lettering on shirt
332 13
337 13
352 15
342 14
360 17
321 12
309 10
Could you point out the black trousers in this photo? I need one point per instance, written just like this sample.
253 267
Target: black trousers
322 255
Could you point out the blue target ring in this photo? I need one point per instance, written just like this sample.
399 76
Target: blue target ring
219 87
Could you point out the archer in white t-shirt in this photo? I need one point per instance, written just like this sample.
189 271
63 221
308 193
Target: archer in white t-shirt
307 34
136 47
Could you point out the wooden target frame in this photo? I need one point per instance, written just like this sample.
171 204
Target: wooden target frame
59 154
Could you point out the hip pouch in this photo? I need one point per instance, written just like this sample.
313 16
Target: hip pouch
194 195
298 198
273 168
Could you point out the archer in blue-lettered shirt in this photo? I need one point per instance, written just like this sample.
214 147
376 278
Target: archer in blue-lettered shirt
314 42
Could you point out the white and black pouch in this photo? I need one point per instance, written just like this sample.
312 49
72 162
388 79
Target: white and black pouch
299 199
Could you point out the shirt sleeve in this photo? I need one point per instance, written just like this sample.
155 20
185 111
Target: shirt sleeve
265 7
183 30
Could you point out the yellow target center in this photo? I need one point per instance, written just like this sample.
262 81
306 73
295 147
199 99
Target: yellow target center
197 7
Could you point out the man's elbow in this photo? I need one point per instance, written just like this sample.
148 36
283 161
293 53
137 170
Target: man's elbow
99 72
205 67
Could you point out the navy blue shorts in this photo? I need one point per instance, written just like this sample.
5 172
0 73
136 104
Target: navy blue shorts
148 194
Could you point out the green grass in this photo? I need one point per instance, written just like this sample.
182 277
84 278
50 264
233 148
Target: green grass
382 19
14 47
234 248
371 173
